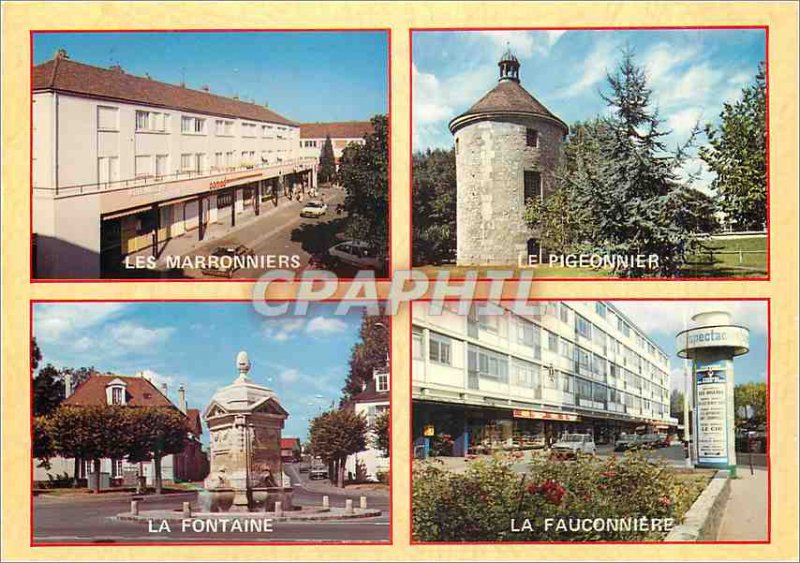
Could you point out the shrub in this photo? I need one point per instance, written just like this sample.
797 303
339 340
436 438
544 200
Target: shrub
479 504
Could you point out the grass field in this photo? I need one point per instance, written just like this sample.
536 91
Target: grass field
722 259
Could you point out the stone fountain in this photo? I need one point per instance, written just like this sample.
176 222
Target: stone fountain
245 421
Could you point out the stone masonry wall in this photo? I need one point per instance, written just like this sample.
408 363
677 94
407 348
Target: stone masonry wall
491 157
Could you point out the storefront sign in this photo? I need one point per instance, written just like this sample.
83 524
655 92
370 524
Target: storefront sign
536 415
223 182
714 337
712 412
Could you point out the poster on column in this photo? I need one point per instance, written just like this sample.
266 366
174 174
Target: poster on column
711 412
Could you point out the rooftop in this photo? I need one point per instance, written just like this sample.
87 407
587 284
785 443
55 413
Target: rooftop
335 130
140 392
64 75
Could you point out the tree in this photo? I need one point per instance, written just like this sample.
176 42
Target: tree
327 162
49 387
433 197
621 188
36 355
48 390
42 443
364 174
676 400
91 433
156 432
755 395
370 353
380 431
334 435
737 153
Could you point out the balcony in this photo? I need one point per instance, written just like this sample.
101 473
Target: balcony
150 181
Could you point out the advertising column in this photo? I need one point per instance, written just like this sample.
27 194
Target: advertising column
711 345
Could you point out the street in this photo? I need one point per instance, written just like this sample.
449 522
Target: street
89 520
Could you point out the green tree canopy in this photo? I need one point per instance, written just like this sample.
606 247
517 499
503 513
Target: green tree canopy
336 434
380 431
327 161
737 153
755 395
433 204
156 432
364 174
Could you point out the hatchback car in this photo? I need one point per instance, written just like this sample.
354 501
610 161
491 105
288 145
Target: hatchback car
356 253
314 208
573 445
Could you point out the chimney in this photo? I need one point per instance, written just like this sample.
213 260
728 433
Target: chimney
182 399
67 384
164 389
236 97
117 68
205 88
61 54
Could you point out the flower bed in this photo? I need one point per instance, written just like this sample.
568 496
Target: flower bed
491 502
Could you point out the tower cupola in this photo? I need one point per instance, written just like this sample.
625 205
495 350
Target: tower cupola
509 66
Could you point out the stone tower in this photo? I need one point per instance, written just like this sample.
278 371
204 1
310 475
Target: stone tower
507 150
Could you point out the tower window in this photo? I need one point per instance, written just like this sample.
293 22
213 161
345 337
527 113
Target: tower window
533 185
532 138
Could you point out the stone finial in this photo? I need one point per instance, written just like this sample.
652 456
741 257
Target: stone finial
243 365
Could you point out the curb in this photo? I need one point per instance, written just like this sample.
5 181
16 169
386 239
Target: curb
703 519
161 515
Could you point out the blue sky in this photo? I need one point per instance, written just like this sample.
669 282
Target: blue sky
304 76
692 72
303 359
662 320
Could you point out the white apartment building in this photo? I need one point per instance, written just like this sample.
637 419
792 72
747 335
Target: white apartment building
123 163
484 381
342 134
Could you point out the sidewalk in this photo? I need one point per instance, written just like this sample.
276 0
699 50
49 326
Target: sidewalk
745 516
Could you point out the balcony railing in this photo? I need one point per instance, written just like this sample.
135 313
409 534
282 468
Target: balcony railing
182 175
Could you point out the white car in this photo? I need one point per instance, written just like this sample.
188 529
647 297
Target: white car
571 445
356 253
314 208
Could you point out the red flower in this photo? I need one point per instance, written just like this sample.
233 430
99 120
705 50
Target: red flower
552 491
665 501
609 474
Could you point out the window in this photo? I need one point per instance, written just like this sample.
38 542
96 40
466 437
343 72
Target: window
192 124
567 349
107 118
186 161
116 468
118 395
533 185
487 364
552 342
583 327
162 165
416 343
249 129
563 313
229 156
600 309
551 378
199 162
382 382
143 165
107 169
439 349
151 121
218 160
526 374
531 137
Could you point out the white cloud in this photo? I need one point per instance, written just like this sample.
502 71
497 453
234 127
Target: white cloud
54 322
157 378
695 85
663 58
595 67
325 325
522 43
669 317
131 336
553 35
683 121
282 330
289 376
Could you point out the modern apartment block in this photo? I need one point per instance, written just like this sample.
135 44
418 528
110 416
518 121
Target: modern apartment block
486 380
341 133
122 163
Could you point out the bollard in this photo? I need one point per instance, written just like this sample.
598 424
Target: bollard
187 510
348 506
363 503
326 502
135 507
278 508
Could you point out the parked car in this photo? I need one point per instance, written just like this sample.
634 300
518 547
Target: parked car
314 208
226 268
664 441
650 441
356 253
317 471
627 442
572 445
